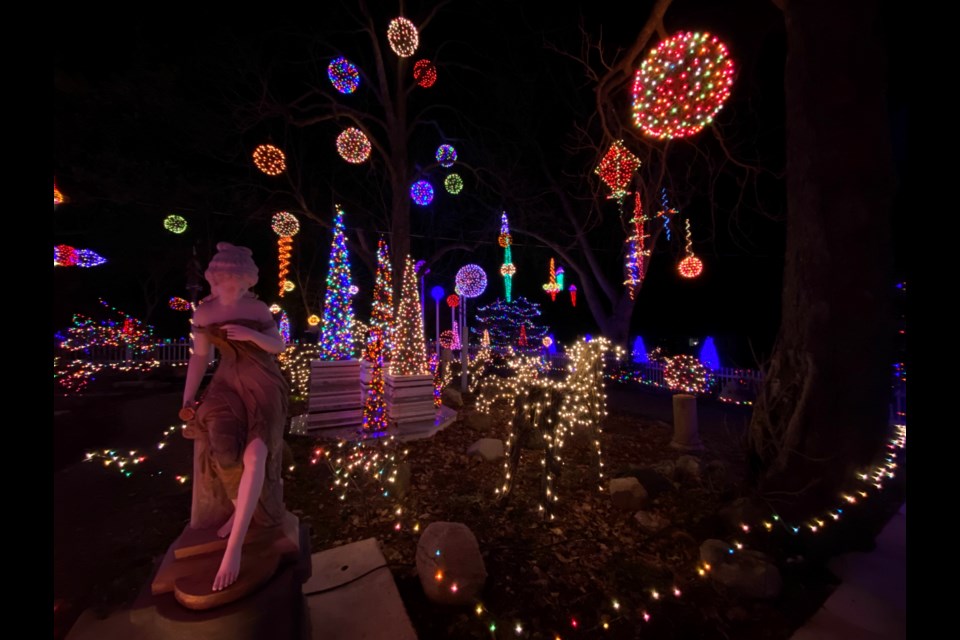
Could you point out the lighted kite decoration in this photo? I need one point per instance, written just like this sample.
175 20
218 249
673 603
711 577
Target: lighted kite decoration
553 286
179 304
425 73
353 145
403 37
681 85
691 266
453 184
446 155
422 192
616 169
343 75
175 224
269 159
471 281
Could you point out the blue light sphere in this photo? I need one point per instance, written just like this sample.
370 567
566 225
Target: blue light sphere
343 75
422 192
437 293
446 155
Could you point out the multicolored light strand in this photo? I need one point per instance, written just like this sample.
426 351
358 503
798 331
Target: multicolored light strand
269 159
616 169
410 353
353 145
425 73
284 326
175 224
343 75
505 320
125 463
336 340
403 37
681 85
687 373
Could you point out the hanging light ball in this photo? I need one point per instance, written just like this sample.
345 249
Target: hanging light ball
425 73
354 289
179 304
422 192
313 320
403 37
690 267
288 286
681 85
269 159
353 145
686 373
446 339
343 75
175 224
471 281
453 301
285 224
453 184
504 240
274 308
547 341
446 155
508 269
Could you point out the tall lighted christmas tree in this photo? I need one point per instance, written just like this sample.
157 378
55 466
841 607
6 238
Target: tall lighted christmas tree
336 340
506 320
375 408
409 353
381 316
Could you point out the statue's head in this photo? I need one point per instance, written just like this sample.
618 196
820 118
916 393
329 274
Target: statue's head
234 263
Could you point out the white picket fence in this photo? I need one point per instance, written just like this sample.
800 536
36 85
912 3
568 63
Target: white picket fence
173 352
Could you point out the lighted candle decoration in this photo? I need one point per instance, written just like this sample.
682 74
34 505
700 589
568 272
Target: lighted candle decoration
269 159
425 73
353 145
343 75
446 155
422 192
681 85
453 183
573 295
403 37
175 224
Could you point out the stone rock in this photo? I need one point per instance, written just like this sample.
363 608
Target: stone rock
715 472
489 449
743 510
666 468
450 397
651 521
750 576
459 565
479 421
401 486
653 481
688 466
627 494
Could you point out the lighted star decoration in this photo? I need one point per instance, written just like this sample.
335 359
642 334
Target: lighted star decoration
403 37
179 304
616 169
353 145
285 224
343 75
453 184
269 159
681 85
422 192
471 281
425 73
446 155
691 266
175 224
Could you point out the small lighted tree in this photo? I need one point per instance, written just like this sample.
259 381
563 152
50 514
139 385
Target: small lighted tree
336 340
410 352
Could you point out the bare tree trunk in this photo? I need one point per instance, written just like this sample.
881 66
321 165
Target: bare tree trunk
823 409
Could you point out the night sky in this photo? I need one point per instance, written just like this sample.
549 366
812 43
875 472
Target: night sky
159 115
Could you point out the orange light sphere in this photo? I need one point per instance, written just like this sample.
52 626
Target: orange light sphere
403 37
690 267
270 159
313 320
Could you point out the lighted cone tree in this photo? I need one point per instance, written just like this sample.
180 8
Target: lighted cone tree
381 316
505 321
375 407
336 340
410 352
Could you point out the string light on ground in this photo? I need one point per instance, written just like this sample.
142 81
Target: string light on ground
269 159
453 183
343 75
422 192
353 145
125 463
175 224
403 37
446 155
425 73
681 85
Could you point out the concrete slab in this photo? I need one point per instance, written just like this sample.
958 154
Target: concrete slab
116 626
344 581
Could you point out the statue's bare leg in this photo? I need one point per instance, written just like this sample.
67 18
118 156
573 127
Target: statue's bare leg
251 484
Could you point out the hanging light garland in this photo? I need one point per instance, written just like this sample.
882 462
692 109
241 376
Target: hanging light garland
175 224
343 75
681 85
453 184
691 266
425 73
403 37
353 145
422 192
269 159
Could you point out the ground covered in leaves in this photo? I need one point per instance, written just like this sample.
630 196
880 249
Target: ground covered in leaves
591 571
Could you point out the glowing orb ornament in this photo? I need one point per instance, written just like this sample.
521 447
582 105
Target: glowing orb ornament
547 341
403 37
313 320
471 281
446 155
425 73
175 224
508 269
453 183
288 286
446 339
64 256
422 192
690 267
269 159
354 289
353 145
343 75
681 85
179 304
285 224
436 293
453 301
686 373
274 308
